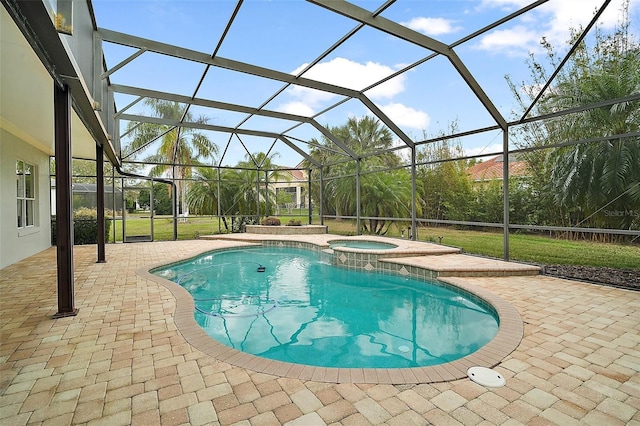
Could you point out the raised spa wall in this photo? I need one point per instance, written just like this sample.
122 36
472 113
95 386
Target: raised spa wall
286 230
361 260
344 257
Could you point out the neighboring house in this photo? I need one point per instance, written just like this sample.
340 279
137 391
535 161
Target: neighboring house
493 169
86 195
296 184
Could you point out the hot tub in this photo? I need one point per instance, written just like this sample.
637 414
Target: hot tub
361 244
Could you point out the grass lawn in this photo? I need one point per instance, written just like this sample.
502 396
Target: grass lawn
541 249
523 247
163 227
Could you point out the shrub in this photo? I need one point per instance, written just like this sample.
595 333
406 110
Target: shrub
294 222
85 227
239 224
271 221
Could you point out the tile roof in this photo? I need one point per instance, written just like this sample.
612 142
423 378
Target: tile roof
492 169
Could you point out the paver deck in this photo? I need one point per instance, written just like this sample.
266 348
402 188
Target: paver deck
462 265
122 360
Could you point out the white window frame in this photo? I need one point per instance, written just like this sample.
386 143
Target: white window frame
26 206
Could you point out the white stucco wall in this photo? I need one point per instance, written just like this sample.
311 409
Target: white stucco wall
18 244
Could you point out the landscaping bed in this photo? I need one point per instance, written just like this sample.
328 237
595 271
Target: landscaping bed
625 278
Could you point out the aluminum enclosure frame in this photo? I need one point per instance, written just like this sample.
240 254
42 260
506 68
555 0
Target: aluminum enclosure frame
92 84
365 19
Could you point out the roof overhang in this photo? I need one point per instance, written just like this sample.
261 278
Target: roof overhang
28 101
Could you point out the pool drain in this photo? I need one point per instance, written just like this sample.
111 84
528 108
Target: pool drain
403 348
486 377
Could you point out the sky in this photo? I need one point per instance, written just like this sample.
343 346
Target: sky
287 35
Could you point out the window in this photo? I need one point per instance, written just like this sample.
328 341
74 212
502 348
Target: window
26 194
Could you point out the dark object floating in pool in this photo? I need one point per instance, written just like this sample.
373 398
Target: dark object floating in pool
261 268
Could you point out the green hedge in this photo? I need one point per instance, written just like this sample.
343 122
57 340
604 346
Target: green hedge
85 227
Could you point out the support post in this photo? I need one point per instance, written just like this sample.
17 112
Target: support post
124 209
359 231
309 197
266 193
151 203
414 223
505 191
258 194
321 196
113 200
64 201
219 209
174 202
100 203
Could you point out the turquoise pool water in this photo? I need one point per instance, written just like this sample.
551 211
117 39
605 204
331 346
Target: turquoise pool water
365 245
305 311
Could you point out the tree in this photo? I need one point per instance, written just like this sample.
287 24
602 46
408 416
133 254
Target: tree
386 193
284 198
605 174
202 196
84 171
180 147
255 172
239 191
444 184
590 182
487 205
161 199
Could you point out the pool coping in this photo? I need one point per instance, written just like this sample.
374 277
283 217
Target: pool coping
506 340
405 248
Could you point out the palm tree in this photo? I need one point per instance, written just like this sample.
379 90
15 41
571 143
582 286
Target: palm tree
602 176
202 196
598 181
387 193
259 169
180 147
213 187
237 190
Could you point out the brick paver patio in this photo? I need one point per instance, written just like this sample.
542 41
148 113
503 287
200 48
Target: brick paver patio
123 361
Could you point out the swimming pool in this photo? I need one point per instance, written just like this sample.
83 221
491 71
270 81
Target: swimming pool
301 310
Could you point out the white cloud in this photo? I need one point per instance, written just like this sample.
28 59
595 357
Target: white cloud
432 26
514 41
552 20
496 147
532 90
304 101
298 108
354 75
565 15
507 5
405 116
345 73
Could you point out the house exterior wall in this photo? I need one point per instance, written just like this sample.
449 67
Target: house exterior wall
299 199
17 244
299 181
